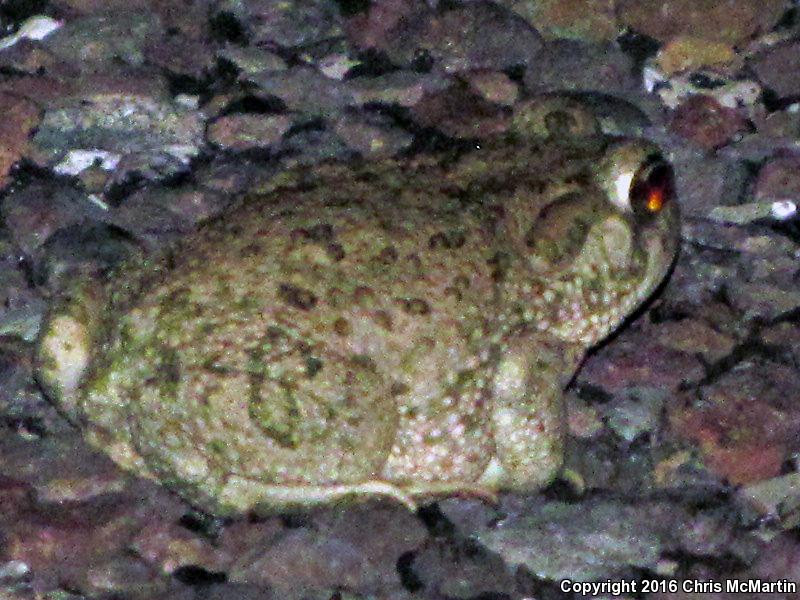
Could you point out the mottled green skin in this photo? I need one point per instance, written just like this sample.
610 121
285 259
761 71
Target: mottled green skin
402 328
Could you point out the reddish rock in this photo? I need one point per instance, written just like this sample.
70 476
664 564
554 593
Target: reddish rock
743 424
20 118
637 359
707 123
39 90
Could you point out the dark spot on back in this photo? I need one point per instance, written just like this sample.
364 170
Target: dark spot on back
530 237
461 281
297 297
499 263
363 296
398 388
322 232
366 176
336 252
342 327
388 255
383 319
453 292
335 297
313 366
299 234
416 260
438 240
250 250
450 240
415 306
339 201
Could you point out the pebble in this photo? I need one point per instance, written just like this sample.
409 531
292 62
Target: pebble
690 53
404 88
778 69
636 413
493 86
247 131
34 212
601 538
704 182
778 180
306 90
251 60
33 28
286 24
476 35
576 65
460 113
98 41
773 499
585 20
20 118
166 547
762 300
694 336
371 136
706 123
731 21
155 136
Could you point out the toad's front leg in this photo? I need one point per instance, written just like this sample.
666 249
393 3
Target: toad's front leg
527 414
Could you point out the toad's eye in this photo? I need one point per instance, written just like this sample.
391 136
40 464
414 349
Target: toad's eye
652 187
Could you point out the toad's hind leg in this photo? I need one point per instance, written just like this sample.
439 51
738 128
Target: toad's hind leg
527 415
276 421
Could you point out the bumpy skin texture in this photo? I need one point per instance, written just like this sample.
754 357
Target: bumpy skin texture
402 328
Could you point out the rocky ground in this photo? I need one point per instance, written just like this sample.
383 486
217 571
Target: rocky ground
124 123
